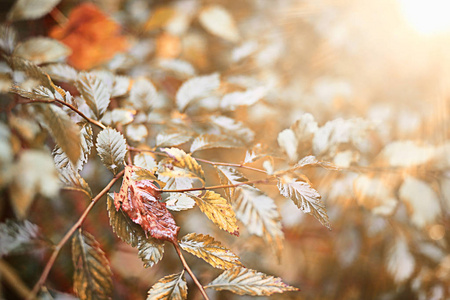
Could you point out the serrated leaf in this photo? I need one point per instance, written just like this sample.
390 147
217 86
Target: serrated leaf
31 70
61 72
173 138
210 250
210 141
8 38
143 94
233 128
180 159
260 216
311 160
150 250
16 237
228 176
95 92
40 93
233 100
244 281
218 210
196 88
111 147
172 287
305 197
42 50
179 201
141 201
62 129
92 277
31 9
146 161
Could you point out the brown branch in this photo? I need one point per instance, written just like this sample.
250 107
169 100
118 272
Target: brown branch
10 276
214 187
66 237
186 267
95 122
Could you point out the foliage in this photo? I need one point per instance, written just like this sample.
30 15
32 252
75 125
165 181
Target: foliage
211 131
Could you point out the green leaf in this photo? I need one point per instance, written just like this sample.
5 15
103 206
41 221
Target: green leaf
180 159
210 250
42 50
305 197
260 216
31 9
65 133
95 92
244 281
218 210
196 88
150 250
111 147
92 277
172 287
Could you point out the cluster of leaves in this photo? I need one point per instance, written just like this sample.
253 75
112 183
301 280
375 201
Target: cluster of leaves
168 134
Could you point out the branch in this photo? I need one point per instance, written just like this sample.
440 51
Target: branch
186 267
214 187
66 237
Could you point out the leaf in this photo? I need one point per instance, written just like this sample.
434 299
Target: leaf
150 250
179 201
15 237
140 200
185 161
92 35
61 72
40 93
111 147
260 216
143 95
231 127
62 129
94 92
218 21
210 141
31 9
228 176
173 138
244 281
400 262
31 70
136 132
232 100
311 160
305 197
172 287
8 39
121 116
42 50
210 250
92 277
146 161
289 143
195 88
217 210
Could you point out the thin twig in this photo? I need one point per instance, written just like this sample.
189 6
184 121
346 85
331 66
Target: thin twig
14 281
95 122
214 187
66 237
230 165
186 267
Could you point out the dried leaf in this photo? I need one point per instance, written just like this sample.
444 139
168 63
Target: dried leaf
31 9
118 116
31 70
233 128
61 72
289 143
217 210
121 86
244 281
210 250
173 137
196 88
260 216
16 237
143 95
180 159
140 200
94 92
400 262
8 37
229 175
42 50
63 130
90 46
111 147
150 250
233 100
146 161
305 197
210 141
218 21
311 160
92 277
179 201
172 287
136 132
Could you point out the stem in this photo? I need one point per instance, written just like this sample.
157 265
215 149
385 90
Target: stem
186 267
214 187
95 122
66 237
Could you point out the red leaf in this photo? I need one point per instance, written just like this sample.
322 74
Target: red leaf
140 200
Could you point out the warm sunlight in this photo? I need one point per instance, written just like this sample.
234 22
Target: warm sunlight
427 16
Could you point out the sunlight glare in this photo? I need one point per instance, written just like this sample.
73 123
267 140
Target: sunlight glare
427 17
